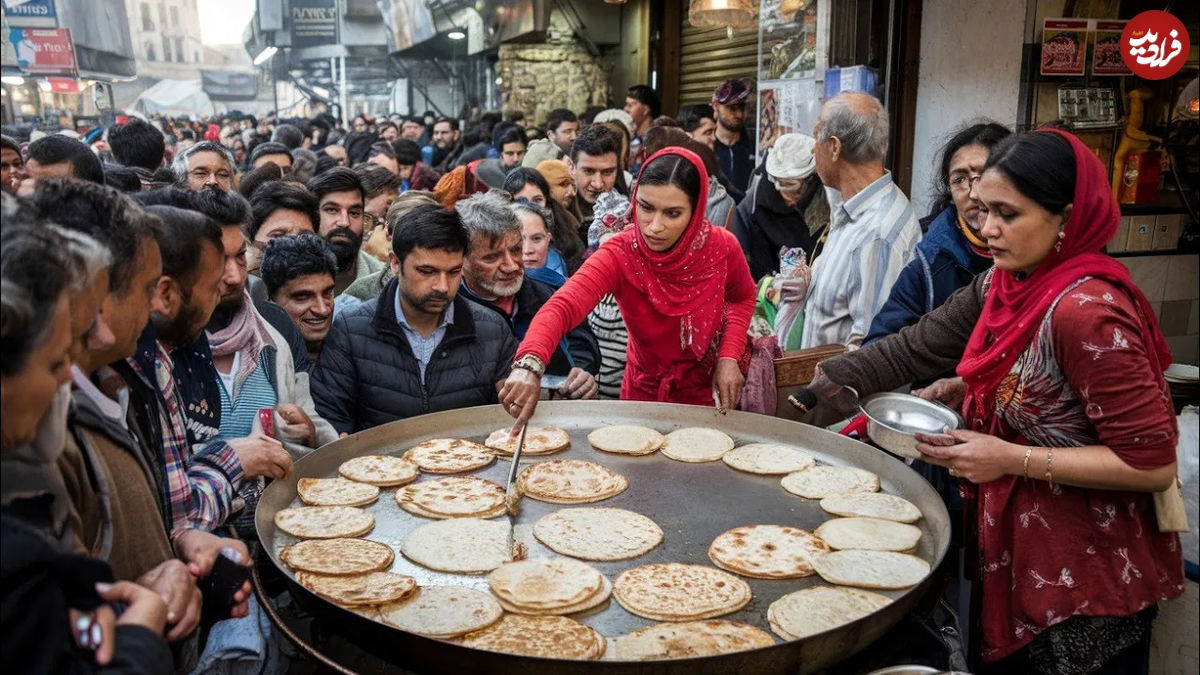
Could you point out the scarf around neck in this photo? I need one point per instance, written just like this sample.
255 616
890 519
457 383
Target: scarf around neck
246 335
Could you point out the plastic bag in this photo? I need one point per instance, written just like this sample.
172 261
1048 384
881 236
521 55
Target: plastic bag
791 291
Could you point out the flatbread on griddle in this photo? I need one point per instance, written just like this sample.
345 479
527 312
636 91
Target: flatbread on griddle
626 439
884 570
591 533
373 588
324 522
538 441
570 481
767 551
443 612
814 610
685 640
459 545
680 592
768 459
596 600
335 492
548 637
545 583
872 505
338 556
449 455
819 482
381 470
453 497
697 444
873 534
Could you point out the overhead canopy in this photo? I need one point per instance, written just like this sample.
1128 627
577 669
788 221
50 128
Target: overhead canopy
175 97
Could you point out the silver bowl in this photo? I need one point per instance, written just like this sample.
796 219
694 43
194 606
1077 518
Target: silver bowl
893 420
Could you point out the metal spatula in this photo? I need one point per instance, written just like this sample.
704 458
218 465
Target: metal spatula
512 496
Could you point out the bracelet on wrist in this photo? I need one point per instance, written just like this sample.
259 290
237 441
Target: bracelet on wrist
530 363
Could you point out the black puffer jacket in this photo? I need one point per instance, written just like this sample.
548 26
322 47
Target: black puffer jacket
368 374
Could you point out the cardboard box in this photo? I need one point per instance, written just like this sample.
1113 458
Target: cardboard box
1166 232
1121 239
1141 233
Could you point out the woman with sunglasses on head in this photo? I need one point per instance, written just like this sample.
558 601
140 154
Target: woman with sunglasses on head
683 288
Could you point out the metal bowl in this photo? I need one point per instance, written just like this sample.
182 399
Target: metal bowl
893 420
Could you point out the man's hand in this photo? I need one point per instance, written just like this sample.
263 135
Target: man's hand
176 586
262 456
580 384
199 549
843 400
296 425
143 607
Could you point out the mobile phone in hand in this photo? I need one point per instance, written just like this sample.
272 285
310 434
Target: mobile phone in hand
227 577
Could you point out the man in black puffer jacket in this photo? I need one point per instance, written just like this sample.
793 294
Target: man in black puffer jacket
417 348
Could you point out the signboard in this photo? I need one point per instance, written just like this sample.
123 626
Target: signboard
222 86
44 51
408 23
1106 49
31 13
1064 43
314 23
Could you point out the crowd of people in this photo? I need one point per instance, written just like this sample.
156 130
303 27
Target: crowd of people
190 307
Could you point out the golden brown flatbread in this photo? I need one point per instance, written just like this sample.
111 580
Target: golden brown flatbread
453 497
381 470
680 592
570 481
543 636
767 551
687 640
449 455
538 441
324 522
373 588
335 492
338 556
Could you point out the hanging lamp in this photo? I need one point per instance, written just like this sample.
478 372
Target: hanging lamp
730 14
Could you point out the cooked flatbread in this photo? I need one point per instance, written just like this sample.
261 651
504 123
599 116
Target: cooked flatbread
873 534
548 637
814 610
449 455
680 592
871 569
443 612
338 556
697 444
599 598
768 458
538 441
767 551
872 505
381 470
570 481
374 588
819 482
324 522
687 640
335 492
626 439
460 545
545 583
593 533
453 497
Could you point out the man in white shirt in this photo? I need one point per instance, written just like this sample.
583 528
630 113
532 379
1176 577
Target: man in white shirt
873 232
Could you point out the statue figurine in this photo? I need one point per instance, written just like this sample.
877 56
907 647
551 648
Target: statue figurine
1134 140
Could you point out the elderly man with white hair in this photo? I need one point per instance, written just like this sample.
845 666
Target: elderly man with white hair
784 208
207 165
873 232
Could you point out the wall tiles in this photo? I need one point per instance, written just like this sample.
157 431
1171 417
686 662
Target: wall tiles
1184 348
1173 317
1194 318
1149 274
1183 273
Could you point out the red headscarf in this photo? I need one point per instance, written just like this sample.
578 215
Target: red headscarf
1014 308
688 280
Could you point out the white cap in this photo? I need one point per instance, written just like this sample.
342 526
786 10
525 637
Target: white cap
618 115
792 156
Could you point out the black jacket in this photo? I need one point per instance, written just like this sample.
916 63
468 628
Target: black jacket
368 374
578 348
764 223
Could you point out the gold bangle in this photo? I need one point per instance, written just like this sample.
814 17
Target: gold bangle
1025 464
1049 465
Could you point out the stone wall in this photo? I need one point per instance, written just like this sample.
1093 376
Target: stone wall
559 73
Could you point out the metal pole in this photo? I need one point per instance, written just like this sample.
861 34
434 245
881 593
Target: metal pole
275 91
342 88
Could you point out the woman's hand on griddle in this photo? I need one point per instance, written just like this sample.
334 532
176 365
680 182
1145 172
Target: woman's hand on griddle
519 395
728 380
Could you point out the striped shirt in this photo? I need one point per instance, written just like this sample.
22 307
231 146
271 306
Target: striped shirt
239 409
871 238
606 322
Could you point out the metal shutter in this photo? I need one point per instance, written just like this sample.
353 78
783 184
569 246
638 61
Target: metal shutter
707 57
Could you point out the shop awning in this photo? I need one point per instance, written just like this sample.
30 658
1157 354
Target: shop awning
224 86
175 97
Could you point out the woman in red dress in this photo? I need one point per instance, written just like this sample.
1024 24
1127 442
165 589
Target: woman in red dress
683 287
1070 424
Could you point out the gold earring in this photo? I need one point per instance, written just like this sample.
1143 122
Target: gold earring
1062 234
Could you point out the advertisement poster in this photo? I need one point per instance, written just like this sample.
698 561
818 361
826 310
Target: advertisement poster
314 23
787 106
789 39
44 51
408 23
31 13
1064 44
1106 49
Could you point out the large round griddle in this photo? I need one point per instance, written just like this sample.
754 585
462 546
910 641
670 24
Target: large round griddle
693 503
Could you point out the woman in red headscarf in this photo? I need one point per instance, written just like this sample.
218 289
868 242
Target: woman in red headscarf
683 287
1071 426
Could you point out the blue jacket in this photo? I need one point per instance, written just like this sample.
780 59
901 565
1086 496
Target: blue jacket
944 263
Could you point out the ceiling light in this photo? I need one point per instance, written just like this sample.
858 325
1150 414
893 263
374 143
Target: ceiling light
14 80
265 55
456 34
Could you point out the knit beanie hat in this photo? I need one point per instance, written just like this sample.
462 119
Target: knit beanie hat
791 157
539 151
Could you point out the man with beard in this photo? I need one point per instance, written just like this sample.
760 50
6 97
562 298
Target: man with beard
734 146
593 164
298 272
205 165
199 478
445 147
340 206
278 209
562 126
419 348
276 153
112 474
511 146
493 276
